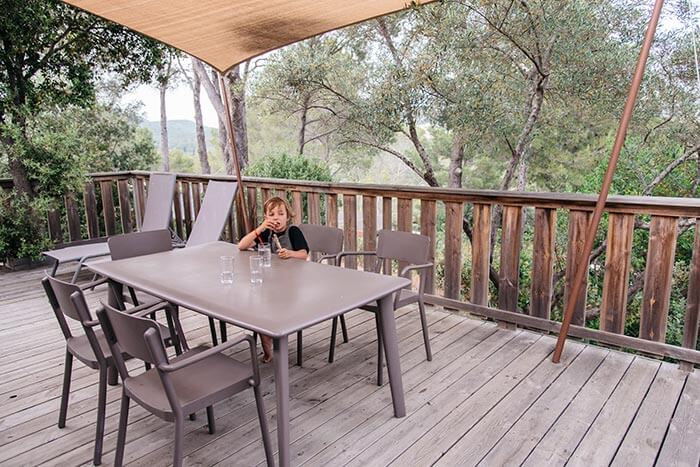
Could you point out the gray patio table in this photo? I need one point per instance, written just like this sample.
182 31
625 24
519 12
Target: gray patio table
294 295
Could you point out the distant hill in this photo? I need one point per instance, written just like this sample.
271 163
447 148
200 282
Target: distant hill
181 134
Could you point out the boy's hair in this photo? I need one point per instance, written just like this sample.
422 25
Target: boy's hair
277 201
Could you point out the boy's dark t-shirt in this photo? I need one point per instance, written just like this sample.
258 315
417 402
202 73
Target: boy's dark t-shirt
291 239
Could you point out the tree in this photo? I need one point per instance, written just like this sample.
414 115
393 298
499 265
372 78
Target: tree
50 56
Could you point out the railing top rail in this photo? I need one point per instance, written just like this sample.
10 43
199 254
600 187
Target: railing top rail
658 205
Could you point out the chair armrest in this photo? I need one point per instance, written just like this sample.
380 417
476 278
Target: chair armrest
328 258
185 362
415 267
92 284
147 308
339 257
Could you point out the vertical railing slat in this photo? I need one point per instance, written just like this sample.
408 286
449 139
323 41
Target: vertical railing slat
297 206
124 205
314 208
661 254
178 211
253 207
108 207
387 224
543 262
139 200
428 216
55 230
332 210
369 229
578 223
187 206
692 311
481 254
511 243
73 218
453 249
90 202
350 228
613 308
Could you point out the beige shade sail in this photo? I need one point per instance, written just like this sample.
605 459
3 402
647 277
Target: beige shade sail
224 33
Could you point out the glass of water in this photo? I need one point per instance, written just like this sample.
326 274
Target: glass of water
226 267
265 253
256 265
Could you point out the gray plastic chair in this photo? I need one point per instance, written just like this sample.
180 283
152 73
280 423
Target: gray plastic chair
213 213
174 387
139 244
91 348
406 247
325 243
158 212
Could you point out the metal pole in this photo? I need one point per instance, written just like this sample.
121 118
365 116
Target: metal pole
607 180
226 98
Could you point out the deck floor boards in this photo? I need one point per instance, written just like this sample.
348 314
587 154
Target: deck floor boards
491 397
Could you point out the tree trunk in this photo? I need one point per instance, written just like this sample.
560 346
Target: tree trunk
199 125
164 150
238 103
456 161
302 129
223 133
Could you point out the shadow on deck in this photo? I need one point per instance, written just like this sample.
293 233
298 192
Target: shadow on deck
490 396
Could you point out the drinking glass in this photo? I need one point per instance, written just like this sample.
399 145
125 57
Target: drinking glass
256 265
226 267
265 253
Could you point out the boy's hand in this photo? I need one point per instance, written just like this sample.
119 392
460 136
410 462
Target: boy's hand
284 253
266 224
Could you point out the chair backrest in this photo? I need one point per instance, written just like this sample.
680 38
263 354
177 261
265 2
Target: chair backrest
322 239
125 335
159 202
139 243
59 295
403 246
212 216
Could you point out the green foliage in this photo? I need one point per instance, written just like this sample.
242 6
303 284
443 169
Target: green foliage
289 167
21 236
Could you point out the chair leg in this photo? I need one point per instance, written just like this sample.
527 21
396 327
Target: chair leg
269 454
380 350
344 328
179 440
174 337
334 331
211 423
121 435
182 339
67 371
222 327
299 348
100 428
212 329
426 336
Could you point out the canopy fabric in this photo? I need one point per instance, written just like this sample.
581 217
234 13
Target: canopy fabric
224 33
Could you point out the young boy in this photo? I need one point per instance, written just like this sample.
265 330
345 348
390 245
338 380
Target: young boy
285 240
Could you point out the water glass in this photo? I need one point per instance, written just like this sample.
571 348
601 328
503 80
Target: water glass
226 267
265 253
256 271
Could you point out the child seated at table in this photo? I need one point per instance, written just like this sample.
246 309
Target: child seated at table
286 240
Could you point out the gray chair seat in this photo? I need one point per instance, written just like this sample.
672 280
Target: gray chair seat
196 386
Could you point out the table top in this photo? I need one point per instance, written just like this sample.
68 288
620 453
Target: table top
294 294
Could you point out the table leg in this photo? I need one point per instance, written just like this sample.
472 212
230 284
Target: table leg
115 297
280 346
391 348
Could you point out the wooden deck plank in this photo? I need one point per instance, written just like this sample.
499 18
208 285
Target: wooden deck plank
524 434
428 431
563 437
488 396
646 434
601 441
684 429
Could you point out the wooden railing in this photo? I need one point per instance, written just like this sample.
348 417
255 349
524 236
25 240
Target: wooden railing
113 203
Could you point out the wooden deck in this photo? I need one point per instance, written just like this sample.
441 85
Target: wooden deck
489 397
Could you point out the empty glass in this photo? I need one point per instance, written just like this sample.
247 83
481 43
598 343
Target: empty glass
256 265
265 253
226 267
